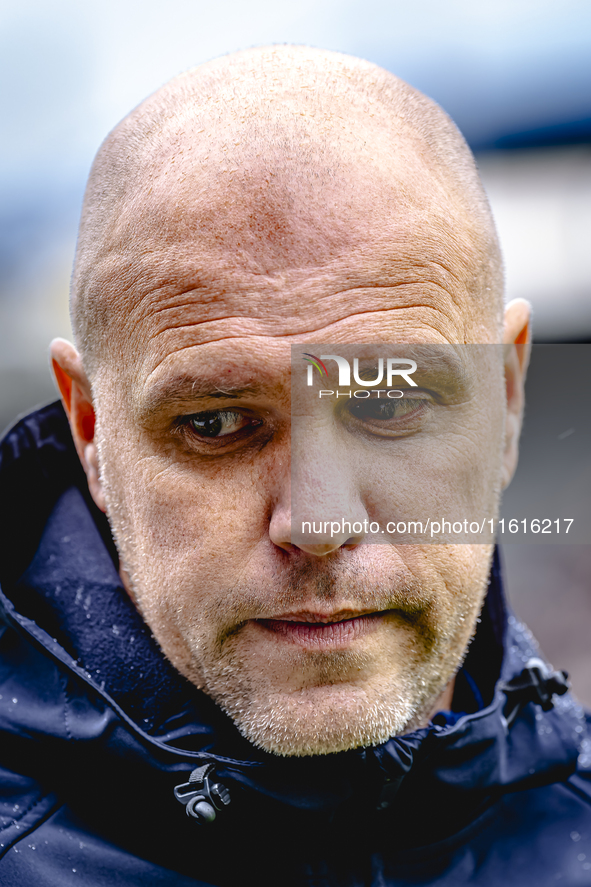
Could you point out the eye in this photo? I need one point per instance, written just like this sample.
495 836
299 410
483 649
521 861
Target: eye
220 423
387 415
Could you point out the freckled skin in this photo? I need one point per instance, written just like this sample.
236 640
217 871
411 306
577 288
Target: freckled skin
211 279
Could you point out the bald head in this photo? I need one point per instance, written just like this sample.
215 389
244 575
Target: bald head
269 161
283 197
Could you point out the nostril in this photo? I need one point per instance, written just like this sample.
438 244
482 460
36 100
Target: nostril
320 549
351 543
286 546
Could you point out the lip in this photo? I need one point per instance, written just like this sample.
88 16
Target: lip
321 630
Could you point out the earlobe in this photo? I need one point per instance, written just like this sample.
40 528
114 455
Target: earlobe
91 467
517 341
76 393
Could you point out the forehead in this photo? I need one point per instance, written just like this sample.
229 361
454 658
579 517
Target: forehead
382 290
370 248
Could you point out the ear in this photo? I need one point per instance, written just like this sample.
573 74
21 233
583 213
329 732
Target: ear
76 393
517 342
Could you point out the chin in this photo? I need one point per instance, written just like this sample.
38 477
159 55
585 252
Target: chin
324 720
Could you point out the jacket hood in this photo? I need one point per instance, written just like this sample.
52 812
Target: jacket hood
96 679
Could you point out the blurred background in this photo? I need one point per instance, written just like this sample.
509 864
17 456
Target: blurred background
515 75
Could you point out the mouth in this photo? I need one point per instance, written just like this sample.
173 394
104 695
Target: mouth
321 630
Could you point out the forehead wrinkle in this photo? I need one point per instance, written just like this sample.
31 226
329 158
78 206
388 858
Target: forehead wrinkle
257 305
388 269
236 326
338 335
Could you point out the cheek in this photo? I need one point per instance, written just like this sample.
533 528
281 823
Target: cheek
453 476
455 579
177 518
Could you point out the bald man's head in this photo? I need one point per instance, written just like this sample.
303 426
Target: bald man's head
270 161
283 197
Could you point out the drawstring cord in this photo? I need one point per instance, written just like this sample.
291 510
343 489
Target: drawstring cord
203 799
536 683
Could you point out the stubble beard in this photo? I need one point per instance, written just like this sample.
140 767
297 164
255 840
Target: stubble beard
324 716
320 712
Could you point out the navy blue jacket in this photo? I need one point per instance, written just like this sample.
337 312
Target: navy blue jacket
97 730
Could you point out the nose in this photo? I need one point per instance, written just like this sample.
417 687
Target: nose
318 508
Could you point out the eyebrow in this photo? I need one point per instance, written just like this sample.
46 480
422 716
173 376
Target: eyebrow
180 392
436 364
